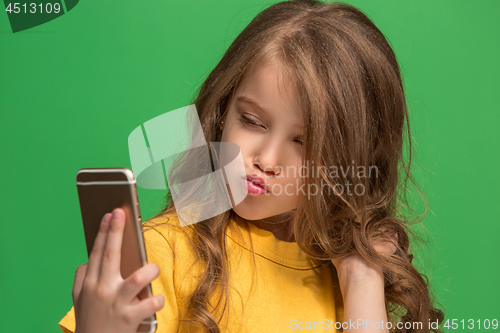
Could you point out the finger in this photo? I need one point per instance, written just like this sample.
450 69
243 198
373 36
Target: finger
112 250
385 247
147 307
94 264
78 282
395 243
137 281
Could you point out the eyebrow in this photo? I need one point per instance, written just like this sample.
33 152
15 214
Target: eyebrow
243 98
248 100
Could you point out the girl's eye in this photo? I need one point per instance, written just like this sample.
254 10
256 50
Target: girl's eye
249 121
254 123
300 142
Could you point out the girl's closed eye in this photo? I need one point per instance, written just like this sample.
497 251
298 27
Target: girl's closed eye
249 121
255 123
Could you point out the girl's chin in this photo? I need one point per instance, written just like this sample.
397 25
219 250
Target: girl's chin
249 212
252 213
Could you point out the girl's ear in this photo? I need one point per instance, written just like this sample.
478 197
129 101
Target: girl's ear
221 125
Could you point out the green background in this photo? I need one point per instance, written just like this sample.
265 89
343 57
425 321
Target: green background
73 89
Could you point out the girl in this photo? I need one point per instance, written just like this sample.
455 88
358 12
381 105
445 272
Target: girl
312 94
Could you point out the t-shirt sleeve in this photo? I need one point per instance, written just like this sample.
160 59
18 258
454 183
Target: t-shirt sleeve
67 324
159 251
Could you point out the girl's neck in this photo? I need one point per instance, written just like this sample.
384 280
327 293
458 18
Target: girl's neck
280 225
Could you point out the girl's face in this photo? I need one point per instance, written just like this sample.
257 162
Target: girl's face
264 120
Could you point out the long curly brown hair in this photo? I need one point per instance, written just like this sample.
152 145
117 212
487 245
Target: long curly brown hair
355 114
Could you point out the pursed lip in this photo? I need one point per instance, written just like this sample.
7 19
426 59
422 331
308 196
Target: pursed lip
259 181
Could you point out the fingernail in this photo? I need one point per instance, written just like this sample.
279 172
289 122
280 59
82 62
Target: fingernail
117 215
159 300
107 218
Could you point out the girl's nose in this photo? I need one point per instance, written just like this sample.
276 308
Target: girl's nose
268 170
269 156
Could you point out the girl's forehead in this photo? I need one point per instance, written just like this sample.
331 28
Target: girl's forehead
273 72
267 87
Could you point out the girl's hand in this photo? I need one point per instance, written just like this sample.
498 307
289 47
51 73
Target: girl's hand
103 300
354 267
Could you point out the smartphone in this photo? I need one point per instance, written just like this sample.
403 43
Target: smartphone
100 190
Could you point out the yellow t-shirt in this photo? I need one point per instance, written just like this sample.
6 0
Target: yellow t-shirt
288 292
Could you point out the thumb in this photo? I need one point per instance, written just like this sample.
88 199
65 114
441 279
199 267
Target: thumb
78 283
